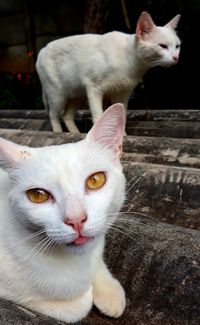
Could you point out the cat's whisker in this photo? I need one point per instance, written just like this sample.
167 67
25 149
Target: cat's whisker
30 236
136 182
120 230
43 247
112 225
53 246
110 235
48 247
37 247
141 214
112 216
137 194
106 224
131 180
134 199
124 227
135 213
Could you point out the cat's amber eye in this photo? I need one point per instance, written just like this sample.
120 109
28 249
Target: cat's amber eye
37 195
96 181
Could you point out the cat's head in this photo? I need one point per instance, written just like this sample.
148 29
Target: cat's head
156 45
70 193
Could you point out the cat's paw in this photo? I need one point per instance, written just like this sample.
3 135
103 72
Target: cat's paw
70 311
109 298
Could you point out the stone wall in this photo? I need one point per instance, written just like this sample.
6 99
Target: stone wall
26 26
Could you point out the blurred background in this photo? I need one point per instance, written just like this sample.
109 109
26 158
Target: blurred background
28 25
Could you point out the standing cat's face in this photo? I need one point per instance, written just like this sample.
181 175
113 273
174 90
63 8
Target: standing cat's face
72 192
157 46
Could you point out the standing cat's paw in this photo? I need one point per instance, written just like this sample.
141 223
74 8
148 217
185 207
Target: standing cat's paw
109 298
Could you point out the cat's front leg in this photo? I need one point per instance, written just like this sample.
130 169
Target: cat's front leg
95 100
69 311
108 294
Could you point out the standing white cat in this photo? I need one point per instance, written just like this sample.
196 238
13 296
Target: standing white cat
57 203
97 65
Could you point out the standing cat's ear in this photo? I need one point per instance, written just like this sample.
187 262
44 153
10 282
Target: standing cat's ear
145 25
173 23
109 129
11 153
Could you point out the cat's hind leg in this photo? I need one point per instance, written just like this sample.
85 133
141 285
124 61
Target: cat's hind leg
55 122
69 311
69 115
109 296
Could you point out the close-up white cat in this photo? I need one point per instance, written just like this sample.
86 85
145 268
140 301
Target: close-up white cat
95 66
55 213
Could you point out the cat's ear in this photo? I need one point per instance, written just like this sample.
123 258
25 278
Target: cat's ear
11 153
145 25
109 128
173 23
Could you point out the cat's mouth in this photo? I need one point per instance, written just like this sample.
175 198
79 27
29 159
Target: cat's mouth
81 240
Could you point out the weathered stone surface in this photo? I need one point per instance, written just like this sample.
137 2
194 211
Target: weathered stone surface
146 124
168 194
166 151
164 115
161 150
179 124
174 129
25 124
39 138
135 115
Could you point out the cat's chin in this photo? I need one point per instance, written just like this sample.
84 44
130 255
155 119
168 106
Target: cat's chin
168 64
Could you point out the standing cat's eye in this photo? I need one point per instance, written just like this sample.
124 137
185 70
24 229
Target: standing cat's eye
164 46
177 46
96 181
37 195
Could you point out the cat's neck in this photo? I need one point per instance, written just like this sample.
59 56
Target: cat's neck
139 65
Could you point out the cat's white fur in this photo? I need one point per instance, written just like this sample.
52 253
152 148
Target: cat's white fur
94 65
61 281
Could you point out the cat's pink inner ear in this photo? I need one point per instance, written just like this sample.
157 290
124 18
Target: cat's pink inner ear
109 129
173 23
145 25
11 153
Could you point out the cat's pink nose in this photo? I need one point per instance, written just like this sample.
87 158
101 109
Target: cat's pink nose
76 223
175 58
